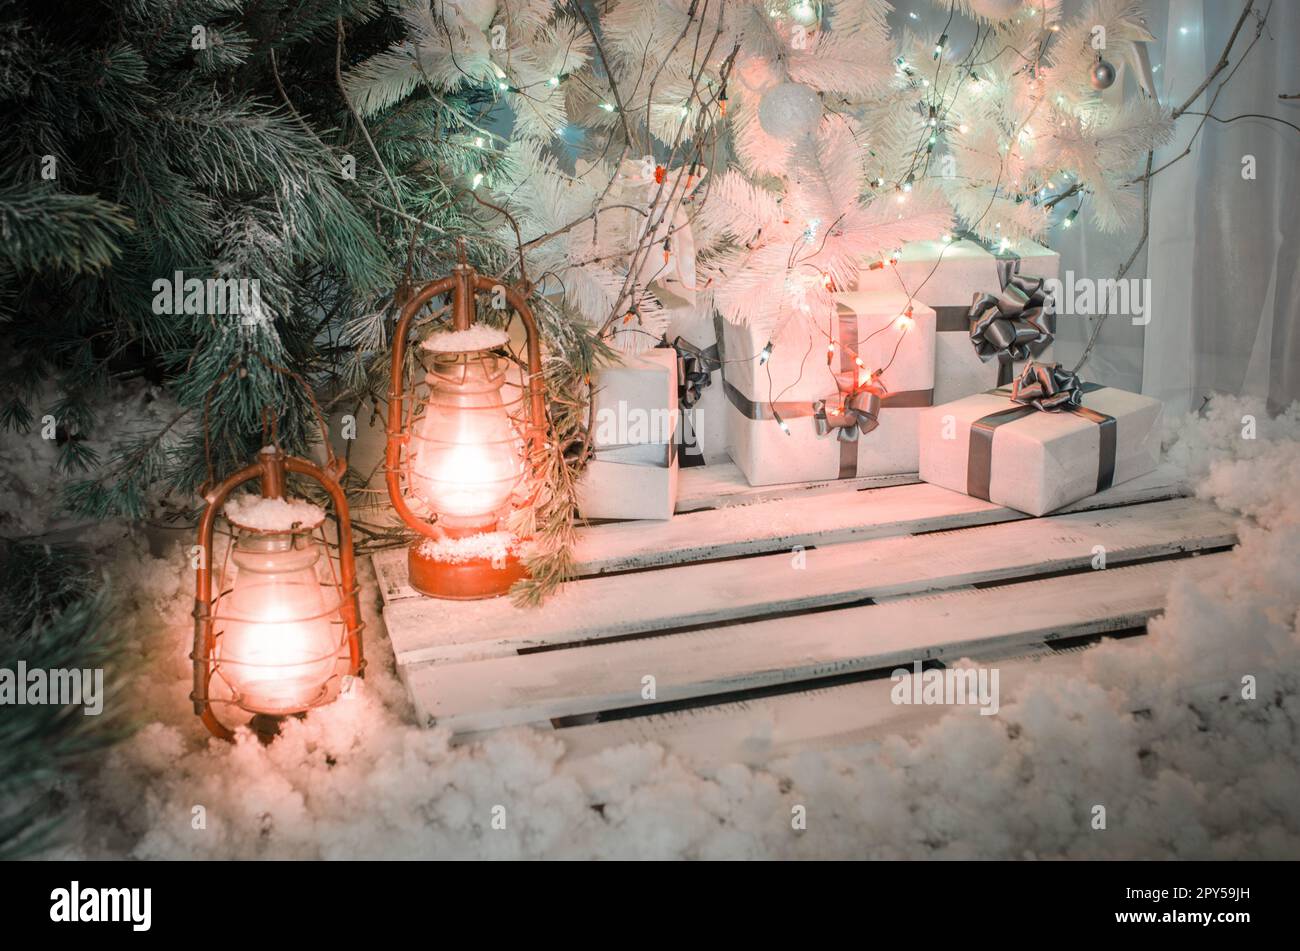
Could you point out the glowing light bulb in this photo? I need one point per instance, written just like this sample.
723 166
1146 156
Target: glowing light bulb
478 180
275 646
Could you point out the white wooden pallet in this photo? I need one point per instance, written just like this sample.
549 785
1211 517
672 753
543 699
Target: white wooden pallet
790 587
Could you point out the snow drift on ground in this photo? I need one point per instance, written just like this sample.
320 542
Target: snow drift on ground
1157 732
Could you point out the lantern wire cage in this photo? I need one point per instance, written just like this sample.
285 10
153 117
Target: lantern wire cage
333 660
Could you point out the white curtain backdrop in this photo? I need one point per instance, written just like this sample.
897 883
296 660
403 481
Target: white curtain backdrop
1223 245
1221 257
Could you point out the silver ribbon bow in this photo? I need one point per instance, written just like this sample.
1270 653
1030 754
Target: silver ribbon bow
1013 322
849 416
694 369
1048 387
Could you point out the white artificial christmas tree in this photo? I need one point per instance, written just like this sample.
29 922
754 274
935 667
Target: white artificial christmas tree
1019 130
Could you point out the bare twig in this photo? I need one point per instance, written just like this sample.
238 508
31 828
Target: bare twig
1222 64
356 116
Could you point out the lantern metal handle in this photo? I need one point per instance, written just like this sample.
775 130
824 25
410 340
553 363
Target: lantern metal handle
463 283
270 468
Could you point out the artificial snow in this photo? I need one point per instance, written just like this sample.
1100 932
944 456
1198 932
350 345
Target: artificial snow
495 547
272 515
1155 730
477 337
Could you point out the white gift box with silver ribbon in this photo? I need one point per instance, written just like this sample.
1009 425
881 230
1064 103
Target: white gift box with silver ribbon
777 405
632 473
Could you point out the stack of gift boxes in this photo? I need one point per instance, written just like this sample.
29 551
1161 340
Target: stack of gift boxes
939 362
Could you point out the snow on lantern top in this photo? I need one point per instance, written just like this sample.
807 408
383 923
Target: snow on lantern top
258 514
477 337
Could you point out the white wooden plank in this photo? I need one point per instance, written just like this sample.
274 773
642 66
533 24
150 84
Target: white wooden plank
723 484
811 519
426 629
517 690
760 730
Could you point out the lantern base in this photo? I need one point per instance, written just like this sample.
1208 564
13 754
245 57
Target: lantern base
468 580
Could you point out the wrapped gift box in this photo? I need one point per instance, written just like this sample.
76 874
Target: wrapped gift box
633 470
634 482
703 423
949 284
796 376
1035 461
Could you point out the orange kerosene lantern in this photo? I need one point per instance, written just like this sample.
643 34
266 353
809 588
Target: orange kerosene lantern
282 632
465 447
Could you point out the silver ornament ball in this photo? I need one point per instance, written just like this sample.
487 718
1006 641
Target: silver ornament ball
1103 75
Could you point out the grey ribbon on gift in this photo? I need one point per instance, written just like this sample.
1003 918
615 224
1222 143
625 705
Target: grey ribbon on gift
618 455
851 416
848 469
1040 388
694 373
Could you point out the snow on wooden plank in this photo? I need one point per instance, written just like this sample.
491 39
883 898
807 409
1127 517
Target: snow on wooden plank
533 688
694 595
759 730
819 520
723 484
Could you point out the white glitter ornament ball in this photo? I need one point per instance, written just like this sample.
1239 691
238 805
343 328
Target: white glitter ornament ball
789 111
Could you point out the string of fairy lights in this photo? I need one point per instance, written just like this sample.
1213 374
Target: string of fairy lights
939 96
936 107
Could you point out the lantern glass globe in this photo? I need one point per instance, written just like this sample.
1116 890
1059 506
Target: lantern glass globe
276 644
467 455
